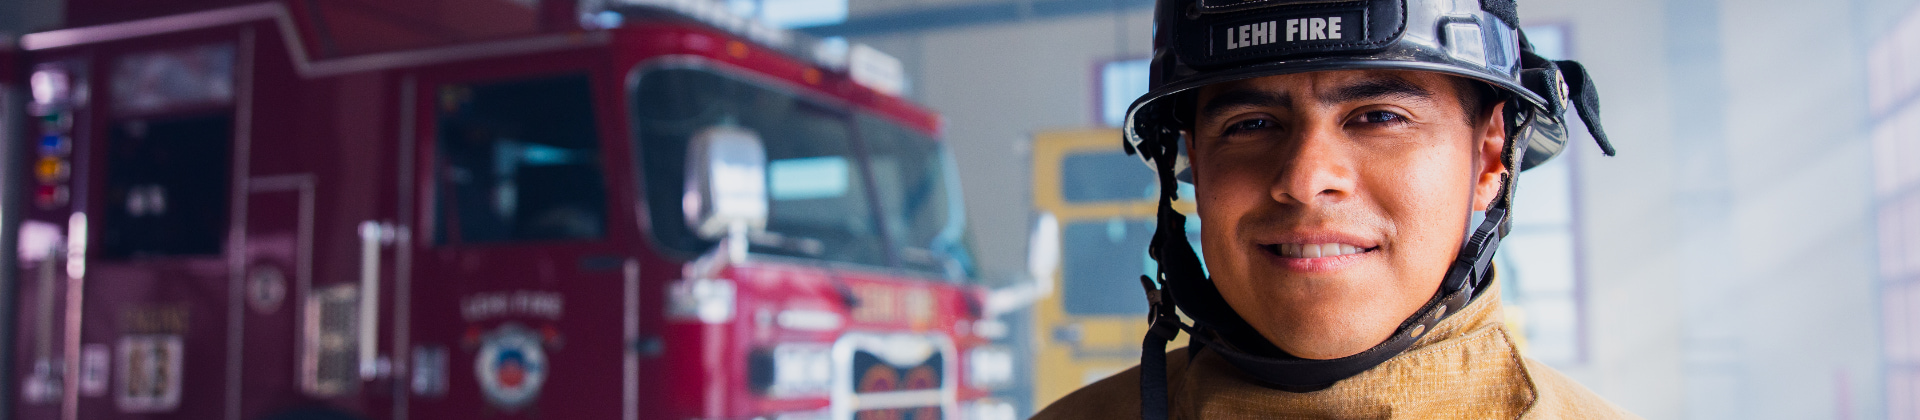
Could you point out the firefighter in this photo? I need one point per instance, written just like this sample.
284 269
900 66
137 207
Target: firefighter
1353 165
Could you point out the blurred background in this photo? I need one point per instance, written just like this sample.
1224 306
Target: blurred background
1751 253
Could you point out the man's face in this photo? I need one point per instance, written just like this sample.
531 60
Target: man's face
1331 203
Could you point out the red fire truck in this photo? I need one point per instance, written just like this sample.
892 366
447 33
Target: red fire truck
481 209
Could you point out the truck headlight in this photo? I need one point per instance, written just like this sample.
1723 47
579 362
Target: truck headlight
989 367
793 370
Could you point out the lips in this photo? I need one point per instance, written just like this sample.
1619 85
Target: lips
1318 256
1314 250
1315 243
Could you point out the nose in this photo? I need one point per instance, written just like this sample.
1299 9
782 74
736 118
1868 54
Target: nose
1317 171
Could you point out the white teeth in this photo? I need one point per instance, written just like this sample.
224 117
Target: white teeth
1317 250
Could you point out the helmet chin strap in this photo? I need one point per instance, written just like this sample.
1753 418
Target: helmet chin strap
1183 285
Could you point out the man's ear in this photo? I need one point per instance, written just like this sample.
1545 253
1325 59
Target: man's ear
1490 137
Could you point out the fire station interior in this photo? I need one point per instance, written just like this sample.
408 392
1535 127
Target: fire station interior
939 223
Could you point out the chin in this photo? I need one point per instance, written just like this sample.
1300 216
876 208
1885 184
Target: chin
1327 334
1321 315
1330 343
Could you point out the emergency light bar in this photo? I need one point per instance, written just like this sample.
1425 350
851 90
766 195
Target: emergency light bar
867 66
715 14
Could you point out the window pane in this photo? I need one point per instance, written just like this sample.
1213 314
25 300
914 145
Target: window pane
1106 176
809 178
818 204
1548 41
910 177
519 161
167 182
1102 262
1120 83
1540 263
170 80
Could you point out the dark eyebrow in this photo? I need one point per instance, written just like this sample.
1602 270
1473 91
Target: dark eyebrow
1370 89
1376 88
1243 97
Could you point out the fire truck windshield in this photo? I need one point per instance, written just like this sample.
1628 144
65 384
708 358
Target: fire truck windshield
894 208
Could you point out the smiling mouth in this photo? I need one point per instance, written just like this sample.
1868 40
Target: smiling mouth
1314 250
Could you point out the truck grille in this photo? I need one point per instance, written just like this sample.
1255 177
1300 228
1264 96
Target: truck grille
921 413
877 375
895 377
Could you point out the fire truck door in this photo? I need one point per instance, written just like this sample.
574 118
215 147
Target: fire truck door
520 272
157 184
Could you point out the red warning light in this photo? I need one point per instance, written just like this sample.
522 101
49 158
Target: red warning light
50 196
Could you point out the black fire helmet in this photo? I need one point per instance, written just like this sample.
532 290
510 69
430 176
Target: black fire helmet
1202 42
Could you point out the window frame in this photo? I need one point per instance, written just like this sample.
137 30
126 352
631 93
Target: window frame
1576 235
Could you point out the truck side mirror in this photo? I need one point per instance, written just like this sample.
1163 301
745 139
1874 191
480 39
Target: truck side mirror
1043 262
1043 252
726 187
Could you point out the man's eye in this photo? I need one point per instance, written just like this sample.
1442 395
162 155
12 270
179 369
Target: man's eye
1249 125
1380 117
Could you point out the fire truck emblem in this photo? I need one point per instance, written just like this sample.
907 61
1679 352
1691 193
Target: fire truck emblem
266 288
511 366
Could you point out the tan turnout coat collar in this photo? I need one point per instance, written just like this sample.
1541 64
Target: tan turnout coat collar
1467 368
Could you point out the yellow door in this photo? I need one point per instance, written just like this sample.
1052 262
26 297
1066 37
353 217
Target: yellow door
1104 201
